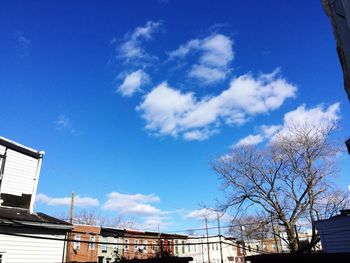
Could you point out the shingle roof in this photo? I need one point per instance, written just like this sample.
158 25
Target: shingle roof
23 215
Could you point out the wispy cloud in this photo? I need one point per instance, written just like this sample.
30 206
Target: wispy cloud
66 201
215 53
157 222
168 111
23 44
133 82
312 117
63 123
131 49
202 214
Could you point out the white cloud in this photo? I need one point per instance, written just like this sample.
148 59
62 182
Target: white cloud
250 140
202 214
168 111
130 49
156 222
63 123
207 74
313 117
199 135
132 204
66 201
133 82
215 55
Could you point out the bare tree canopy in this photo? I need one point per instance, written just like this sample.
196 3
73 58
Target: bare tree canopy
290 179
91 217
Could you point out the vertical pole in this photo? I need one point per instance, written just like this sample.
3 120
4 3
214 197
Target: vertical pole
219 231
71 222
71 209
208 246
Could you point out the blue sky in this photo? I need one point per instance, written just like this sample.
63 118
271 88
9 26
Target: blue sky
132 99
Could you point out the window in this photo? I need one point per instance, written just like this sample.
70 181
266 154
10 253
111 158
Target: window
212 246
116 244
103 244
217 246
136 245
274 247
176 247
92 245
154 246
183 247
189 248
76 244
143 246
126 245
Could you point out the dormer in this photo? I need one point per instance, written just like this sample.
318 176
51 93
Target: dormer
19 174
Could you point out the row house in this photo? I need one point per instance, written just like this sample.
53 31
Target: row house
84 245
110 249
107 245
25 235
205 249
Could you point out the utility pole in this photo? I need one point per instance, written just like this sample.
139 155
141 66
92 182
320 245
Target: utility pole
71 222
71 209
219 231
208 246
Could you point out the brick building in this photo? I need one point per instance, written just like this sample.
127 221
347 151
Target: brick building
82 251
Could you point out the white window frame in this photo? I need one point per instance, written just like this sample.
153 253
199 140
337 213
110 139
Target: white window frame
154 246
103 246
92 245
143 245
115 243
126 245
76 244
176 247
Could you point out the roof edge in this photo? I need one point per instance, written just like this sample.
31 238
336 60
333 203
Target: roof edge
21 148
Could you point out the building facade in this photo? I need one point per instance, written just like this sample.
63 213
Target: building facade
110 248
26 236
214 248
80 249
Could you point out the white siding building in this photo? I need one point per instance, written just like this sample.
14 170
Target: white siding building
25 236
197 248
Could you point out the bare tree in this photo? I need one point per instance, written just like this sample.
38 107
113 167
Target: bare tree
289 179
91 217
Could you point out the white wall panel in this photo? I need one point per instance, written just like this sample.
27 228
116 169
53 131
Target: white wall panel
19 174
30 250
